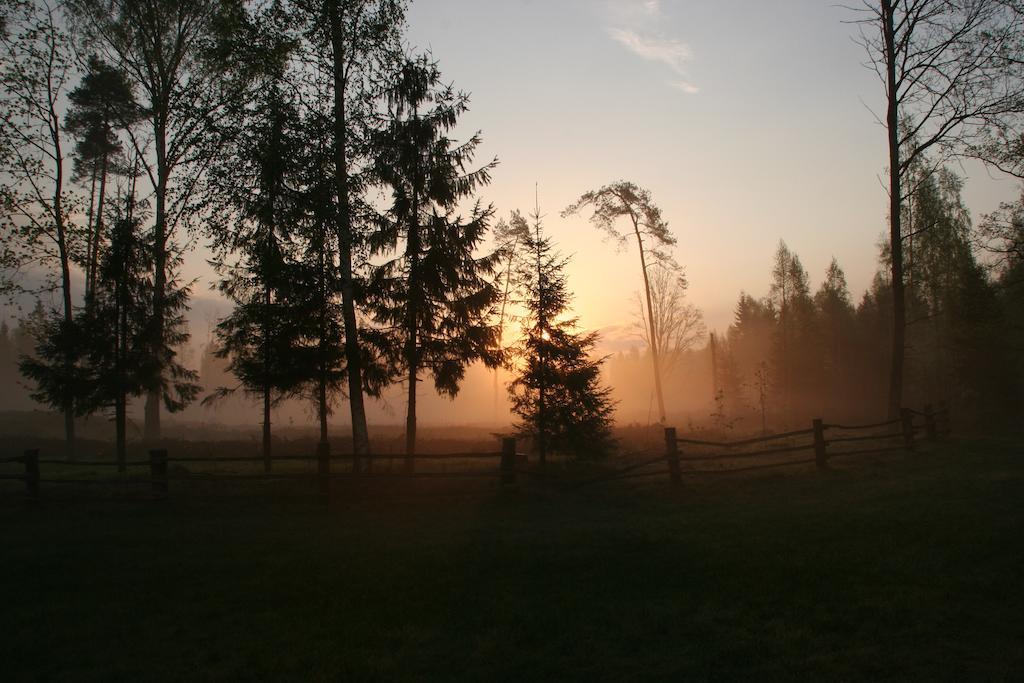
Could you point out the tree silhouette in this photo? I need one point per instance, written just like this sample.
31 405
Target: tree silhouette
102 103
256 176
35 206
678 324
793 358
177 54
835 334
435 296
952 70
625 199
351 49
115 323
511 237
557 390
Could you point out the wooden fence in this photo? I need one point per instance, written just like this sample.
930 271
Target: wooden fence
161 474
815 445
818 444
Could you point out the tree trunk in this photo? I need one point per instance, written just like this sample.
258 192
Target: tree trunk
542 446
121 422
322 347
89 231
152 411
411 359
410 422
121 400
895 204
321 397
65 271
266 428
353 360
266 371
501 319
651 326
412 253
97 232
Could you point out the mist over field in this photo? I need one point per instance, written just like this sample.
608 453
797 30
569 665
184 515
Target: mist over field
511 340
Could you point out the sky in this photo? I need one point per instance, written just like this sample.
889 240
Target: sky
748 121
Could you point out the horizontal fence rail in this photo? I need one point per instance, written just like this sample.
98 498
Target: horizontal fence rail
822 441
165 469
936 424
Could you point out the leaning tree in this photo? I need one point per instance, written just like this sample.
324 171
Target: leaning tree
626 199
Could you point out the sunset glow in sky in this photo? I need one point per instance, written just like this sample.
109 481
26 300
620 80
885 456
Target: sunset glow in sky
749 121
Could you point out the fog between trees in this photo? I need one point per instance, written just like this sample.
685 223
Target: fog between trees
353 240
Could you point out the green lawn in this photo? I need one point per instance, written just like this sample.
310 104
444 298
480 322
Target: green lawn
907 567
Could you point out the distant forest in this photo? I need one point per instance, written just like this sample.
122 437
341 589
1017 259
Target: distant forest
317 156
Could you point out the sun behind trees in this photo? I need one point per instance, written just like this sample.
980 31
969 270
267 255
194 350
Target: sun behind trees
624 199
320 159
557 390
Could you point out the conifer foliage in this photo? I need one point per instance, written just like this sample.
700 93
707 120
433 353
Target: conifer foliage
435 294
557 391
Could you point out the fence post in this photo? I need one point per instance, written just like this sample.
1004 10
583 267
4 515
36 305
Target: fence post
31 459
158 470
323 468
820 455
929 422
672 455
907 421
508 460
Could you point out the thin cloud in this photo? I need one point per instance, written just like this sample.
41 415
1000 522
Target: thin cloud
651 6
668 51
688 88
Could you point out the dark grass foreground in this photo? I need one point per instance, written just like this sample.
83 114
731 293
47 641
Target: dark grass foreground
908 568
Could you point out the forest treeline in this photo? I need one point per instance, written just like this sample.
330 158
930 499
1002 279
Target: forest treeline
317 155
794 353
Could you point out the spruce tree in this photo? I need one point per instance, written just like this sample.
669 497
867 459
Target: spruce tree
834 333
118 359
435 295
557 391
256 177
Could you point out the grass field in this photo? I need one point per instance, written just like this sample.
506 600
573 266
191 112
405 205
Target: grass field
904 567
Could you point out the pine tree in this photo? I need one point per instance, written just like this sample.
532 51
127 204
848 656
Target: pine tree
435 297
178 55
557 390
101 105
624 199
